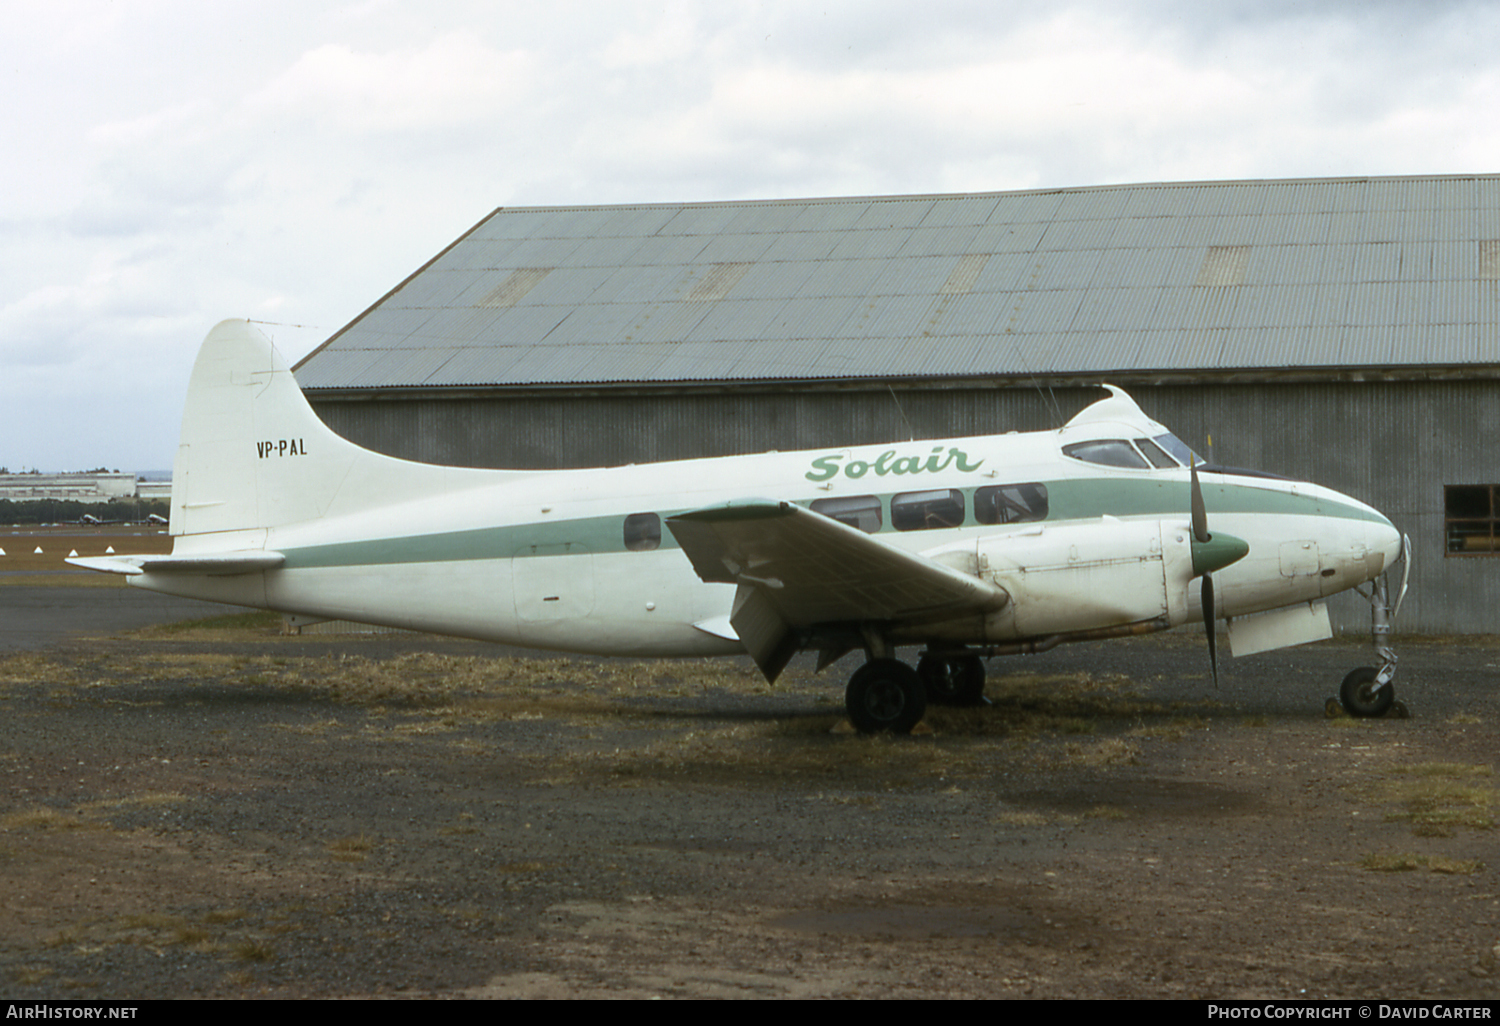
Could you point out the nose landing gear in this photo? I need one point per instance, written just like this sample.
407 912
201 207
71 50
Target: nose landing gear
1370 691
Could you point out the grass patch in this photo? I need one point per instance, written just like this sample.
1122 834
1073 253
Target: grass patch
1114 751
149 800
62 579
38 668
260 620
1386 862
1066 702
518 868
211 933
49 820
1019 818
1173 730
350 849
253 949
762 752
1438 798
30 975
1406 862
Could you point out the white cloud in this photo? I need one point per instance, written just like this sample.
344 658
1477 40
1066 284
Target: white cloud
291 162
453 81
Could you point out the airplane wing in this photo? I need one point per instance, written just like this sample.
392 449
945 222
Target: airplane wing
798 569
216 564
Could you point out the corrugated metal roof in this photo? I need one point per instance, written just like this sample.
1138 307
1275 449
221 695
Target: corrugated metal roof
1227 276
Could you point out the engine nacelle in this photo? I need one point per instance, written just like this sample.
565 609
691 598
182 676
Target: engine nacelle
1078 577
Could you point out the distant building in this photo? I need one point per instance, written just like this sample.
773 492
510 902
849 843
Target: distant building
1346 331
99 487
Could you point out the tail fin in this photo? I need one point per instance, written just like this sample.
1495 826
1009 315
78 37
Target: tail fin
253 453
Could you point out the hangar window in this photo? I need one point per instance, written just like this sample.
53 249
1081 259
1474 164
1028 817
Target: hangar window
861 511
1471 516
1010 504
924 511
1111 452
642 532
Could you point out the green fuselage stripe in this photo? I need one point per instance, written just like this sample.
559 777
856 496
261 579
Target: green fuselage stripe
1067 499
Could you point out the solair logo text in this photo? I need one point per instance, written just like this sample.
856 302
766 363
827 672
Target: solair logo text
888 462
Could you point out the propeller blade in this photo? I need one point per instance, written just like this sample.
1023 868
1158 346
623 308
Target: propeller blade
1200 513
1208 625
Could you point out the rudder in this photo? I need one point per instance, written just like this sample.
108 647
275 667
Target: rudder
252 454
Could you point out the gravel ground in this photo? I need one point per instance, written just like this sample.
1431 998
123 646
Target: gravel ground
232 813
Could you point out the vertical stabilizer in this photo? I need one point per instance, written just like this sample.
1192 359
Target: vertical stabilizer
253 454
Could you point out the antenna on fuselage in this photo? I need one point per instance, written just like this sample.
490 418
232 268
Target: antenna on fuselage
911 432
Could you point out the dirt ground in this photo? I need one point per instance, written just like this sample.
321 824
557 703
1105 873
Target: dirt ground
225 812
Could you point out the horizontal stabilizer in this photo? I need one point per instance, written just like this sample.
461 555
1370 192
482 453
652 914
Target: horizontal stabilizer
215 564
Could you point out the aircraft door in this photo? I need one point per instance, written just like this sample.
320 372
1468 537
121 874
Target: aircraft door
553 582
1299 559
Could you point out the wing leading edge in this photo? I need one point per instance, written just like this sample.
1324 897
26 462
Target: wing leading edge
797 569
214 564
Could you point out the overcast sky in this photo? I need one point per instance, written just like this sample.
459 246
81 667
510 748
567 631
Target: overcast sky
169 163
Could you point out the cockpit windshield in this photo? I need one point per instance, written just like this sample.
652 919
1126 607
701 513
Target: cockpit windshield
1179 451
1163 451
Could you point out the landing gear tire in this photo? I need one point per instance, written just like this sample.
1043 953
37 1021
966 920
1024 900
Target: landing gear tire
1360 697
957 682
885 695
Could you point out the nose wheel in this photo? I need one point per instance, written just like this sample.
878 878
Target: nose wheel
1362 695
1368 691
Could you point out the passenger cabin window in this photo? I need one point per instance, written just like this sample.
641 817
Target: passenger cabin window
642 532
1471 519
924 511
1110 452
1010 504
861 511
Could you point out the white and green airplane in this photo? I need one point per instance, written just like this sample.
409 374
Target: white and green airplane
969 547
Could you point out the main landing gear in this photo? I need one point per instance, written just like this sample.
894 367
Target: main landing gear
887 695
1368 690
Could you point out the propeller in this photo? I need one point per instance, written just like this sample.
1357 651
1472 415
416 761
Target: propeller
1210 552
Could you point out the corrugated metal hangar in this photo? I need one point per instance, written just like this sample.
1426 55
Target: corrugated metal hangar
1338 330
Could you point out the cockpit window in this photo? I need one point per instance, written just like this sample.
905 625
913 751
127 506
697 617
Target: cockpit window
1179 451
1154 453
1109 452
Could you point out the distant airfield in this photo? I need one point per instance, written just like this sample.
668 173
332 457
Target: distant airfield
20 545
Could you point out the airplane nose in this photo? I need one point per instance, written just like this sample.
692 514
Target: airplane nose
1384 538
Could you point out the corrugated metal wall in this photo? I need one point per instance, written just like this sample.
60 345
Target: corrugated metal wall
1392 444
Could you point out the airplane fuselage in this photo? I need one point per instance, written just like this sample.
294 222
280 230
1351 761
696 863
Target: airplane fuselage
579 560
